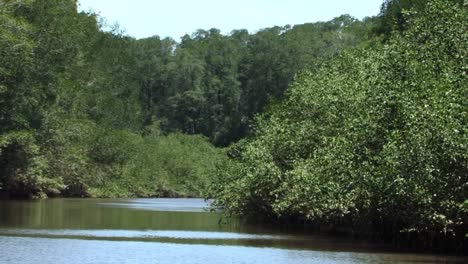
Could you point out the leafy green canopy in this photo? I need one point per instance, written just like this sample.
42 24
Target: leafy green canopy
76 102
213 84
375 137
71 119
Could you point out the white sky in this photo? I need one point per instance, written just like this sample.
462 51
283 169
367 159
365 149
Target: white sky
175 18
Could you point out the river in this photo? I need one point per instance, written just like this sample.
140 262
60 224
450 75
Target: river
174 231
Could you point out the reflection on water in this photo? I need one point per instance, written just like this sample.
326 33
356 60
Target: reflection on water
139 214
167 230
162 204
137 234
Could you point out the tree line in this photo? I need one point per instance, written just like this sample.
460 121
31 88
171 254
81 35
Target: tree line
72 112
89 112
212 84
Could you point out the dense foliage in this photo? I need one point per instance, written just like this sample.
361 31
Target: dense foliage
374 139
84 112
71 119
213 84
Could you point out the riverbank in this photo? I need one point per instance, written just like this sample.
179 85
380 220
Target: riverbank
409 241
159 194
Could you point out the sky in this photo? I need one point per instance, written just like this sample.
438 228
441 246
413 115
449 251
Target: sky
175 18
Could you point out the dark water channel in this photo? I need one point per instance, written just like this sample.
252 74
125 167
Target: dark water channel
166 231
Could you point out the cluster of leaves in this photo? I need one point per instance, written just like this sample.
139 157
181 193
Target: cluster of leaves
374 138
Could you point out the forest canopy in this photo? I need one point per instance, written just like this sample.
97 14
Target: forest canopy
78 103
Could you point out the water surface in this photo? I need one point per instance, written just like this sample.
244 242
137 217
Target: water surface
166 231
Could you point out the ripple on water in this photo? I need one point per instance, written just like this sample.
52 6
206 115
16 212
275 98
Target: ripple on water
176 234
45 250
